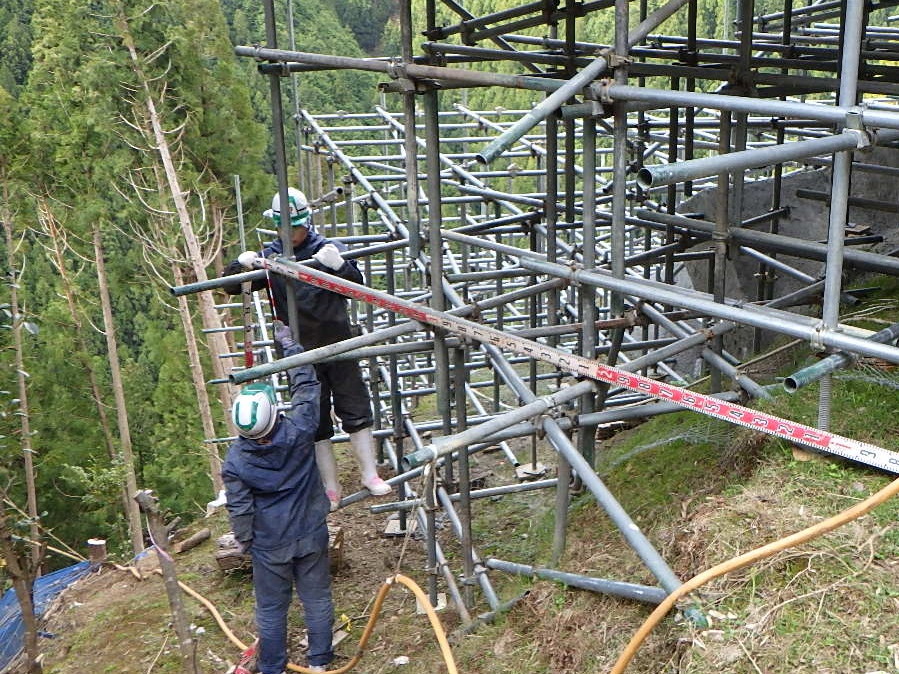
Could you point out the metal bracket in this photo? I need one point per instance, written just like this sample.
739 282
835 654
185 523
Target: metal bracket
854 118
601 88
615 60
817 339
396 70
855 123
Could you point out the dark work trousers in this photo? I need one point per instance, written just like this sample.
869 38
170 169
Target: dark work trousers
342 386
303 565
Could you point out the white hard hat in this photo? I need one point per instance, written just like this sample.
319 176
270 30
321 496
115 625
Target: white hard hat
255 411
299 208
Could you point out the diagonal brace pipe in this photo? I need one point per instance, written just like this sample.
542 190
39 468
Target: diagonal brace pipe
556 99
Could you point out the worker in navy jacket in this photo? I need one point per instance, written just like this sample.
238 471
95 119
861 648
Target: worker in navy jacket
323 319
277 507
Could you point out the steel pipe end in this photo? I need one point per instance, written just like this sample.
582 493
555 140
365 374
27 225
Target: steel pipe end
482 159
791 385
644 178
419 458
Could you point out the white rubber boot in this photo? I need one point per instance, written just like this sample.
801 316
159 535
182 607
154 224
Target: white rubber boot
363 443
327 467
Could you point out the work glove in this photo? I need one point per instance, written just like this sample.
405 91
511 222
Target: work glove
247 258
329 256
283 335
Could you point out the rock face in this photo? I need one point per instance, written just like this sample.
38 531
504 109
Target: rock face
806 194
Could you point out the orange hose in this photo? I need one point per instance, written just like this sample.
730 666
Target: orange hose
367 632
746 559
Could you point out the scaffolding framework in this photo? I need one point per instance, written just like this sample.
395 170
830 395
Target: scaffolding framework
610 221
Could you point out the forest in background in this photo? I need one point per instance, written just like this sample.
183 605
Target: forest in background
122 126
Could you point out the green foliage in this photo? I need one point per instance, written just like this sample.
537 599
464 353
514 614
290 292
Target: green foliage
15 43
81 114
317 28
367 19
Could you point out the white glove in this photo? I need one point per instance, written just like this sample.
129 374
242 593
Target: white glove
247 258
329 256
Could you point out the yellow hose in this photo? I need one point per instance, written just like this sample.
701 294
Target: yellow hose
838 520
369 626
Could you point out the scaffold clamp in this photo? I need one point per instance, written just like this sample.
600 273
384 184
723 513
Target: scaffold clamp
616 60
855 124
601 89
396 70
598 109
816 340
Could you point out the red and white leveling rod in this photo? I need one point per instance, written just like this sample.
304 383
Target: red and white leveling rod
578 365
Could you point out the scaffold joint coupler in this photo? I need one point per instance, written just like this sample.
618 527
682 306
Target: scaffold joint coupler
396 69
816 341
469 581
601 89
616 60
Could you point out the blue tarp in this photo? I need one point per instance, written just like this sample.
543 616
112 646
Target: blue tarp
12 627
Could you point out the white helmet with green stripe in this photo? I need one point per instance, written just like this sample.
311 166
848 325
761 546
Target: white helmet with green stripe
255 411
299 208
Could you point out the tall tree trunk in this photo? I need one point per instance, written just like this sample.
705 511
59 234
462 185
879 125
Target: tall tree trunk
24 420
134 524
56 248
23 572
216 342
196 373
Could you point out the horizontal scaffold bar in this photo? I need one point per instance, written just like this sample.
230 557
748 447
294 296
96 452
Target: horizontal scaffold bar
584 367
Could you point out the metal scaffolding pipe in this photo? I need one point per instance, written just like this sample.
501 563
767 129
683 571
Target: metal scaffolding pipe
738 312
834 362
560 441
466 77
573 86
441 446
642 410
812 250
831 115
666 174
614 588
476 494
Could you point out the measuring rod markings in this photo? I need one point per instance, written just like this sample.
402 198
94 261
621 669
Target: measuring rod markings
855 450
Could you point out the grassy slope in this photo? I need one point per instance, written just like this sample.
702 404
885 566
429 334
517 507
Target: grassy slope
701 491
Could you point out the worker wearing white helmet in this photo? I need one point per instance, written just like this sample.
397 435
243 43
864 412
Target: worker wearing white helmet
323 320
277 507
